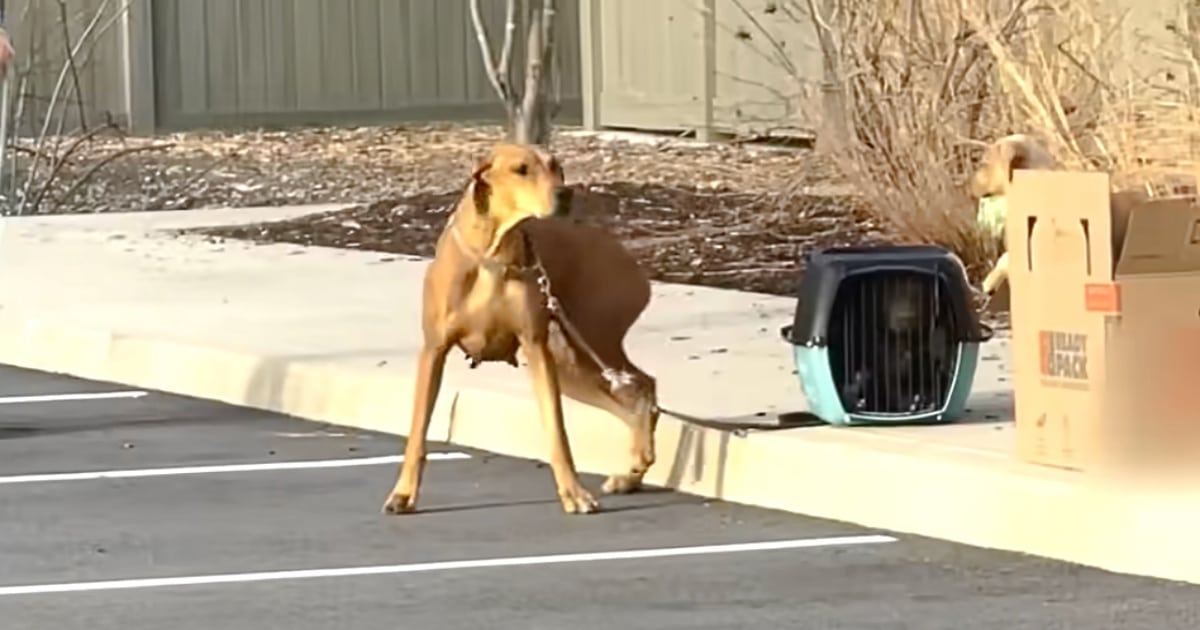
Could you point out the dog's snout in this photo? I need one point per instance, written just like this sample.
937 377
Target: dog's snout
562 201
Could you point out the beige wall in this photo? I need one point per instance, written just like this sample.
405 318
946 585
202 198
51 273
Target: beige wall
645 64
649 70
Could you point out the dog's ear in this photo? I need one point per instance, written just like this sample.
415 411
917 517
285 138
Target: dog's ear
995 172
481 187
1015 159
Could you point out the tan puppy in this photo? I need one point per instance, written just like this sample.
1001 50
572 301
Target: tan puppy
1017 151
1020 151
505 279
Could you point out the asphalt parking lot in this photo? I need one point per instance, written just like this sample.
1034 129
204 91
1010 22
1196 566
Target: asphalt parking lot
128 510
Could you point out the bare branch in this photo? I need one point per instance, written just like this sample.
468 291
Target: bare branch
58 165
158 201
782 56
62 77
533 76
510 29
64 18
549 15
541 44
485 50
83 179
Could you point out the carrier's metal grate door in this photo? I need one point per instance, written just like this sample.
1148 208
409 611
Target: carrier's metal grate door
892 343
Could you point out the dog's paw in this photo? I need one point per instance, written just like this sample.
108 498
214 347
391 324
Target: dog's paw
622 484
400 504
578 501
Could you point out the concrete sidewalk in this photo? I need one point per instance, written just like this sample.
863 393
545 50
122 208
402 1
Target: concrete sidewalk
330 335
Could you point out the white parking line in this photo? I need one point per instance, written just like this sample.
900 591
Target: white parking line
635 554
20 400
223 468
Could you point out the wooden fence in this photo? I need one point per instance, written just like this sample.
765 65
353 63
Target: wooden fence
184 64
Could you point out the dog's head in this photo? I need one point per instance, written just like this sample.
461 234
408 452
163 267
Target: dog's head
514 182
1002 157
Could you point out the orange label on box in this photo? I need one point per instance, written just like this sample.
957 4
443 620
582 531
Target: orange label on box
1102 298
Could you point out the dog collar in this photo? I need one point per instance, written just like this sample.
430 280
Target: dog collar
487 262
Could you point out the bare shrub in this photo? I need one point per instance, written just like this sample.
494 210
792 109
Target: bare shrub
916 89
48 114
1099 103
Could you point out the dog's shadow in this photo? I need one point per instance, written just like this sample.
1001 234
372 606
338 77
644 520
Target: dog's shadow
22 428
610 504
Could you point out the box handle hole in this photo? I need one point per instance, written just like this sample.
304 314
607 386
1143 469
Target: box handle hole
1030 221
1087 240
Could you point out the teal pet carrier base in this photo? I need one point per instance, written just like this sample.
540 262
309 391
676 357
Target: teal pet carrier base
885 335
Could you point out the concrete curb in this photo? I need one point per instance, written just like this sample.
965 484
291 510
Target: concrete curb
840 474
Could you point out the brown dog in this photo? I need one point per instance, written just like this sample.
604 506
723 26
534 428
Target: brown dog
511 275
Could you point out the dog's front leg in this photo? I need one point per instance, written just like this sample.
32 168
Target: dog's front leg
998 274
575 499
430 364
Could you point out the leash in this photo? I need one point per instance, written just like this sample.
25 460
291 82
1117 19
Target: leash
616 379
619 379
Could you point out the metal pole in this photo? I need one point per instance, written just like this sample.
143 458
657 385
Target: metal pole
589 47
5 102
705 132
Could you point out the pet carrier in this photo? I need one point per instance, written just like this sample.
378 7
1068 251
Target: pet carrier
885 335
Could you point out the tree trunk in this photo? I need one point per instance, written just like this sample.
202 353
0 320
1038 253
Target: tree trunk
530 127
528 113
529 121
833 129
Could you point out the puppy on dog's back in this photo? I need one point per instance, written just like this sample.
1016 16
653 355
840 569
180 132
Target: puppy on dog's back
1016 151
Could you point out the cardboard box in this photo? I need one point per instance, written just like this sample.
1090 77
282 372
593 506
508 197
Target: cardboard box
1105 308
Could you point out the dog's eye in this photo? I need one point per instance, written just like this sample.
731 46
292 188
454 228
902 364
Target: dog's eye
521 169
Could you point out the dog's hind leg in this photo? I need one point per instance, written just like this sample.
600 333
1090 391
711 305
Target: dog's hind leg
430 365
638 400
575 499
634 405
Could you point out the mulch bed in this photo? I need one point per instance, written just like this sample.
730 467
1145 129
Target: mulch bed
751 242
109 171
730 215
